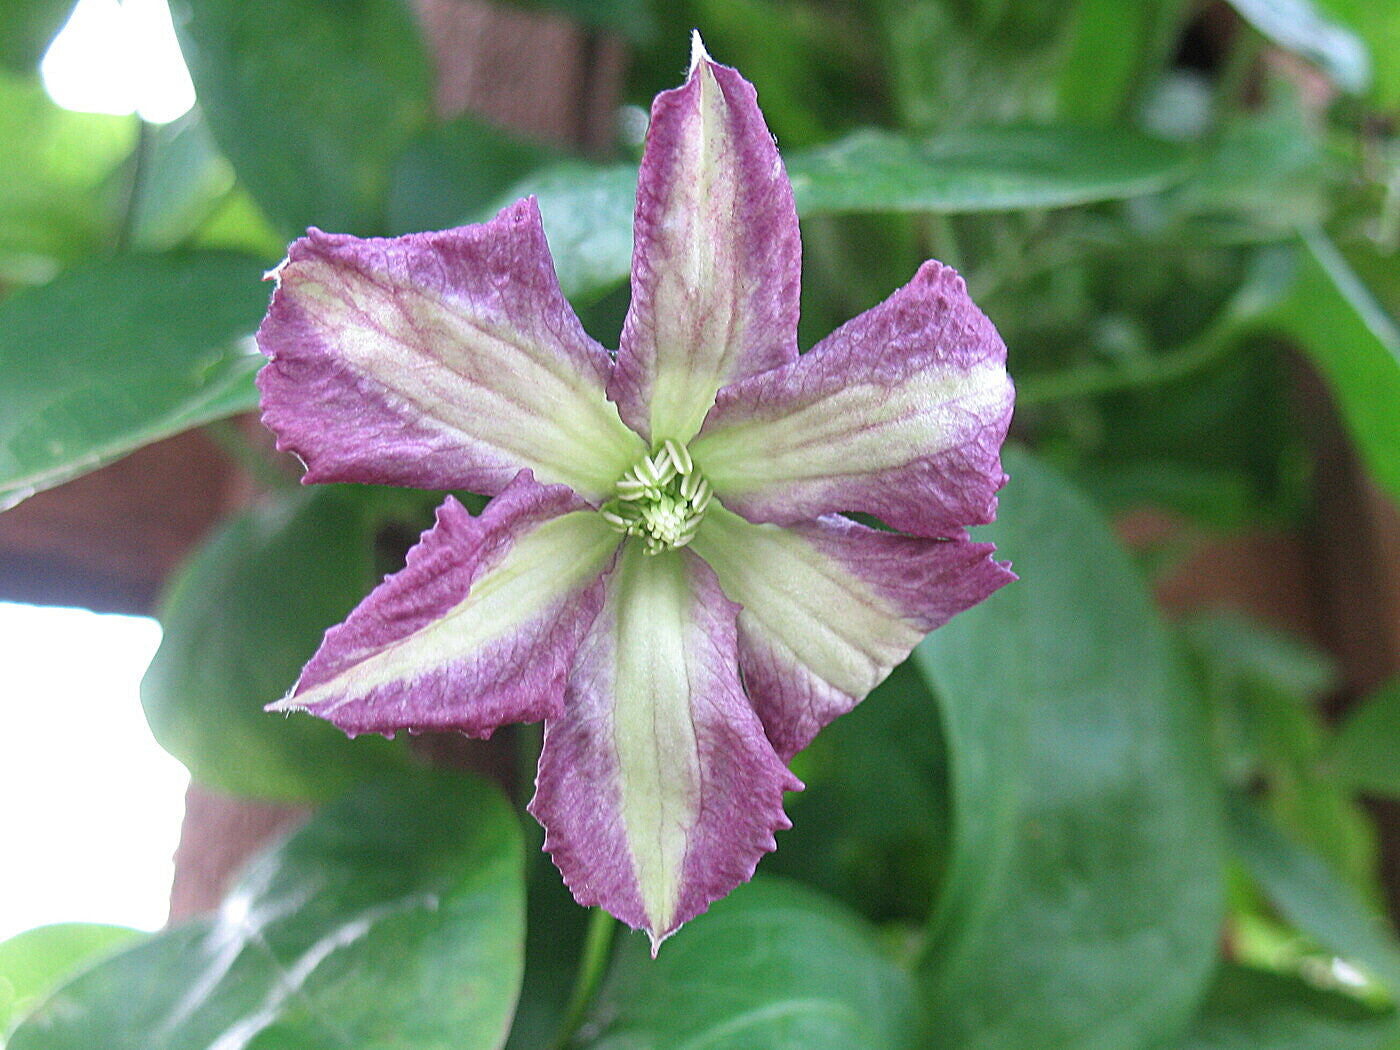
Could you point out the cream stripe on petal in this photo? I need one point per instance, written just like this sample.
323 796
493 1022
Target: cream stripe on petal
554 560
858 429
658 787
653 733
446 360
899 413
522 402
716 262
828 618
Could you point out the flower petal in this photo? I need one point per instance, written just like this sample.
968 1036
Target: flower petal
830 607
899 413
716 256
657 788
439 360
477 630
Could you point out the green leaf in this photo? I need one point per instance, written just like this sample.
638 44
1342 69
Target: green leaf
587 212
1081 904
455 169
773 965
1312 897
1298 26
1250 1009
34 962
184 181
554 944
588 209
395 918
871 826
28 29
56 204
1107 47
1363 754
241 618
118 353
982 169
311 100
1356 347
1263 177
1263 687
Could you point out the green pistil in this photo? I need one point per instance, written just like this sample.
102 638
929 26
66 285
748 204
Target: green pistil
660 500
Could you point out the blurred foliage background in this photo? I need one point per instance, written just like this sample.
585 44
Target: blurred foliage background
1069 821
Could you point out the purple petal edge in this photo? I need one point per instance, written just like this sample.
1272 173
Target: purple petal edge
928 329
578 795
927 581
519 678
394 360
747 316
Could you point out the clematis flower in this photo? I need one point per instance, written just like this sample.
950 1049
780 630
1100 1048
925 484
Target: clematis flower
666 575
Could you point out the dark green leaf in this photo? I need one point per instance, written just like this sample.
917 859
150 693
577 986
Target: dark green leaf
456 169
311 100
871 826
395 919
28 29
1298 26
554 944
119 353
240 620
1251 1009
1356 346
1312 897
1081 903
982 169
773 965
1365 753
55 166
35 962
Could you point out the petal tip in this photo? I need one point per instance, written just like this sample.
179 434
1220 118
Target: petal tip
698 54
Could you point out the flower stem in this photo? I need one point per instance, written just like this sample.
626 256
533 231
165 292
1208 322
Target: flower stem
596 949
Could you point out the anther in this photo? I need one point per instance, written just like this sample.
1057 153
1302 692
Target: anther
661 499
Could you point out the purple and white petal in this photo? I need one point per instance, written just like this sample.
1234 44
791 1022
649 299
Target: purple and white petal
443 360
479 629
657 787
900 413
830 607
716 255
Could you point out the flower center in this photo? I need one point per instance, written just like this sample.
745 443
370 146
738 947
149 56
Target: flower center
660 500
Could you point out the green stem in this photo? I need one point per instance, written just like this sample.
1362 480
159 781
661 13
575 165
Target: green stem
596 949
944 247
1094 380
136 186
234 444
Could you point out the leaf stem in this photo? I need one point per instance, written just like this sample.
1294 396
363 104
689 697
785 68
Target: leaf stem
597 945
1095 380
136 186
235 444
